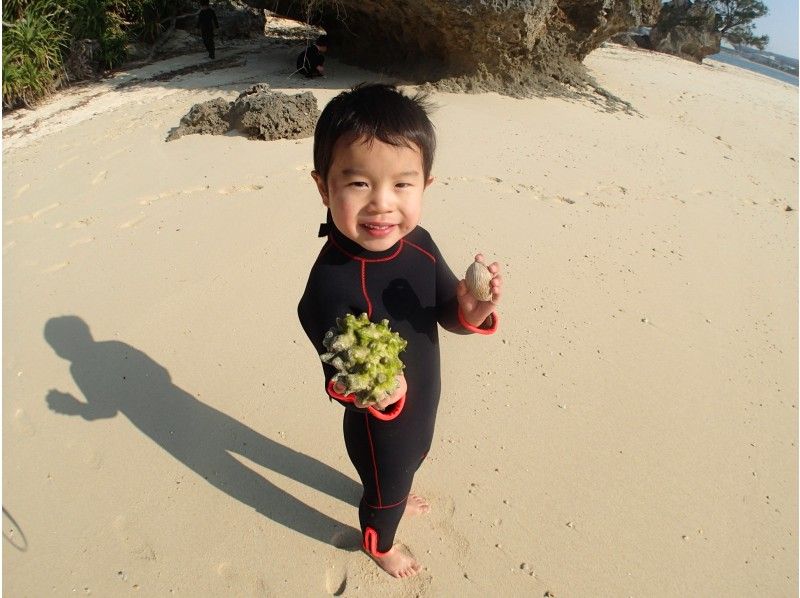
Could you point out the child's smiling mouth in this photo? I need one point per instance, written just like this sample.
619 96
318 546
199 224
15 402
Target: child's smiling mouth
377 229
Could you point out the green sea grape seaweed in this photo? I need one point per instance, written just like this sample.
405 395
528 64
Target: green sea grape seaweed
366 356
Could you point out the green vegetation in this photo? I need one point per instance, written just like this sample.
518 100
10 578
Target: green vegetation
38 36
735 21
35 38
732 19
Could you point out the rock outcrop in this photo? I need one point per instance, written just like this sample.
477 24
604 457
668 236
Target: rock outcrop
507 45
206 118
686 29
237 20
258 112
261 113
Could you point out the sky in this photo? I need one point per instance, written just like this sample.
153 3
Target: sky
781 26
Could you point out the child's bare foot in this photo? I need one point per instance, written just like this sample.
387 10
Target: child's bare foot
416 505
397 562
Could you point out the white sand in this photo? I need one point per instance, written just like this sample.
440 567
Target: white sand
630 431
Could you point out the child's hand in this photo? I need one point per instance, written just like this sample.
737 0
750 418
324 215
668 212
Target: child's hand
475 312
398 394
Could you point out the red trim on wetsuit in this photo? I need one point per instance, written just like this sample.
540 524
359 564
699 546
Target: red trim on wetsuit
490 330
394 408
420 249
371 543
364 286
397 504
355 257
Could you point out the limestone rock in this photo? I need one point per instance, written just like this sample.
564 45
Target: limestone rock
206 118
261 113
633 39
686 29
490 44
258 112
178 42
236 19
625 39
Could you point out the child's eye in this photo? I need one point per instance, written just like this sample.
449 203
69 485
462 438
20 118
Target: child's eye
403 185
358 184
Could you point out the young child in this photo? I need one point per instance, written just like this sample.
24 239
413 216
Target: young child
207 22
373 152
310 62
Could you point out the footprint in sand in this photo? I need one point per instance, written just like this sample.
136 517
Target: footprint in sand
524 188
22 423
335 580
132 541
82 222
33 215
347 539
115 153
195 189
132 223
239 188
67 162
92 458
55 268
44 210
226 571
22 190
150 199
146 201
82 241
100 176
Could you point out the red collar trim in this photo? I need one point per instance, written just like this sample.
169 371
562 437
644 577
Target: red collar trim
366 259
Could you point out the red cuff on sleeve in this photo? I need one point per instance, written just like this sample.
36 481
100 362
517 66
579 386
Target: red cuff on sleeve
490 330
392 411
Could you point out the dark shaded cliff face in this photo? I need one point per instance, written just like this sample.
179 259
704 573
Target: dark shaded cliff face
688 30
499 44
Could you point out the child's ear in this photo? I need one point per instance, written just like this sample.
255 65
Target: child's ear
322 187
429 181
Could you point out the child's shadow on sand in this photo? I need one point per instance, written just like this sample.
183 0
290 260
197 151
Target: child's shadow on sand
115 377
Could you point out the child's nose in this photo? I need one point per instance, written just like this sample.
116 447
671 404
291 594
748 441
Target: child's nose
382 198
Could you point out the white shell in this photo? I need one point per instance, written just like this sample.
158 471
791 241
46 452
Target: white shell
478 279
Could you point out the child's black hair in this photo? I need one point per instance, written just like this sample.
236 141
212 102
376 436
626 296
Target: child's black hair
375 111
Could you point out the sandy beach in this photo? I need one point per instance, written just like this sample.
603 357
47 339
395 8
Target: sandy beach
631 430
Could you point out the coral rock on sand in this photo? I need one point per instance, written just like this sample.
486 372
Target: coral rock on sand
258 112
261 113
206 118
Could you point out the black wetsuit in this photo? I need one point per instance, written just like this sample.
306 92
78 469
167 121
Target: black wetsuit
207 22
308 60
411 286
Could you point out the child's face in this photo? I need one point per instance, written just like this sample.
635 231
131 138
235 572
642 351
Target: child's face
374 191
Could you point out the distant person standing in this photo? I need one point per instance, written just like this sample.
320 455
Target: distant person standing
310 60
207 22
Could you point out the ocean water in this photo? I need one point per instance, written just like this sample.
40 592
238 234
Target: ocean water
735 60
